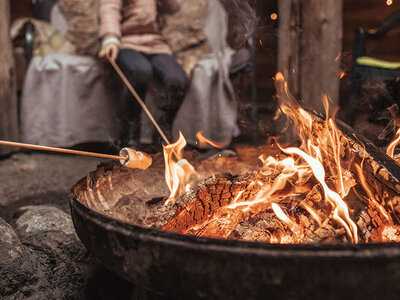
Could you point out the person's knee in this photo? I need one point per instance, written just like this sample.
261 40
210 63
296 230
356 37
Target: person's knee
141 74
176 81
136 68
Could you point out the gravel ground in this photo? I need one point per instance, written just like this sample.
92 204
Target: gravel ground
39 178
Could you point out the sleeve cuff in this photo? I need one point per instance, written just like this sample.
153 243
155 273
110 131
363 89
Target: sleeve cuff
111 40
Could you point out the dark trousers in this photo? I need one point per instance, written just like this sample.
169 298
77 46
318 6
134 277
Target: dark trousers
141 69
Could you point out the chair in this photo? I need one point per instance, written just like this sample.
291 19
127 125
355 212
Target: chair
204 106
365 67
64 101
243 62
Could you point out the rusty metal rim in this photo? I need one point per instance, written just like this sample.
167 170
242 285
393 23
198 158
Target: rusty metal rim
373 250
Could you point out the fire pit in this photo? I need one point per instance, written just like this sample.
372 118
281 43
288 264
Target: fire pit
271 222
185 266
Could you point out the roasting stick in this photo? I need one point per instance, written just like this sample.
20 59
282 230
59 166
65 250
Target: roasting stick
137 97
128 157
183 162
61 150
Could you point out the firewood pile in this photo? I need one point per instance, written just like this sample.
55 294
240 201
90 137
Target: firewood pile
201 212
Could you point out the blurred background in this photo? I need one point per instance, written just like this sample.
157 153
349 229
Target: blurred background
256 115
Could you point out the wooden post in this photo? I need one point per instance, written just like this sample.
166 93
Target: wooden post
310 43
289 43
8 97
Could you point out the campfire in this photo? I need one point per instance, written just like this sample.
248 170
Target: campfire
330 189
299 221
318 192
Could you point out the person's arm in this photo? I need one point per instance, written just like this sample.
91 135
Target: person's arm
169 6
110 27
110 18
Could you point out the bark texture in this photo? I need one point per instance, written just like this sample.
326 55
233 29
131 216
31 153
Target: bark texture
310 43
8 98
196 207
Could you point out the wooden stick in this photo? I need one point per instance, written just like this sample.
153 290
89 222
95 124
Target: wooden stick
137 97
53 149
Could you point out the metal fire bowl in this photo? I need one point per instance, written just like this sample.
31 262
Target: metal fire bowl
187 267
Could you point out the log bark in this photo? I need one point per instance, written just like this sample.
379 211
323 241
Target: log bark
8 97
197 207
289 43
310 43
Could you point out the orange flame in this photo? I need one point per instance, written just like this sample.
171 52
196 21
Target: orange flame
393 144
321 145
316 166
203 141
341 211
177 170
337 58
326 143
285 219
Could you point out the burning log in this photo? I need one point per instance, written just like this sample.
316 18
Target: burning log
195 208
218 206
336 187
341 162
209 212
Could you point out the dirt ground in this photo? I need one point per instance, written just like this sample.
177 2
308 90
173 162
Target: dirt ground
39 178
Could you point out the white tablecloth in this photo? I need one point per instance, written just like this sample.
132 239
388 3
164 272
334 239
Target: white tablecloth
64 102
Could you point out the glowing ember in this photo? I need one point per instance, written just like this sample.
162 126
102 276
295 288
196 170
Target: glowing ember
341 211
284 218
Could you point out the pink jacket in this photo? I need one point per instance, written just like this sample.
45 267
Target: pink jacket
135 25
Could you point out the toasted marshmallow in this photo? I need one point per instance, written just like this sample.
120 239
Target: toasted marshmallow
136 159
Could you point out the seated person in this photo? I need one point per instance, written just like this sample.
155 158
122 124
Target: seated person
131 36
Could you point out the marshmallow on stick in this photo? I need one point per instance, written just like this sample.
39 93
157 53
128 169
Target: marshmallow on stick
136 159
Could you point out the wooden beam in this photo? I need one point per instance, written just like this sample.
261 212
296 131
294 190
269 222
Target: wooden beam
8 97
310 44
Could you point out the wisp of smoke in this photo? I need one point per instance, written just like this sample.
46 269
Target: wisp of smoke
242 19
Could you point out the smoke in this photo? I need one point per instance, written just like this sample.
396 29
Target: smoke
242 21
376 97
378 111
